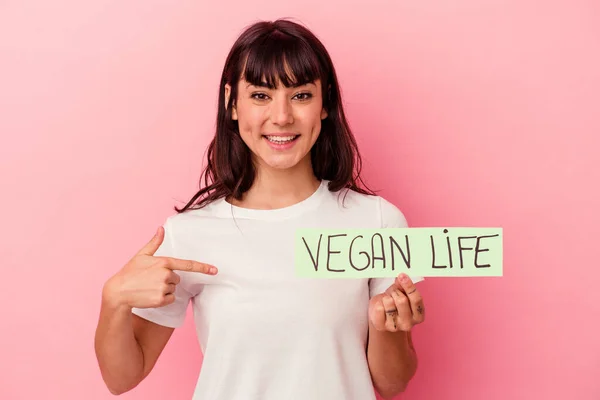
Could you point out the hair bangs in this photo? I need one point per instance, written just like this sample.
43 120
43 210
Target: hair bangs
281 58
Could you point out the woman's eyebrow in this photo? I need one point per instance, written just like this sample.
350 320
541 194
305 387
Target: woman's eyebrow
260 85
265 85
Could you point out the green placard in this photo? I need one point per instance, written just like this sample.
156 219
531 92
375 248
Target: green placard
378 253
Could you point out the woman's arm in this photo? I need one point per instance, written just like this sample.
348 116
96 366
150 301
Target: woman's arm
127 346
392 361
390 351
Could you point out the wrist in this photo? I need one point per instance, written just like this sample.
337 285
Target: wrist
112 297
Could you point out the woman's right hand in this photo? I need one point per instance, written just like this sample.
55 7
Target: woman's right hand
147 281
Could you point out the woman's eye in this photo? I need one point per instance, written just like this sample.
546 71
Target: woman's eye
306 96
259 96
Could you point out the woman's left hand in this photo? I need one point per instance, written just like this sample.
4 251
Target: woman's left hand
399 308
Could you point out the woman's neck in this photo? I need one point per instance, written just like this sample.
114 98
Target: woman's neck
278 188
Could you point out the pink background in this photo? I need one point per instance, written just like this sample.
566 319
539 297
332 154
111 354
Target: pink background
469 113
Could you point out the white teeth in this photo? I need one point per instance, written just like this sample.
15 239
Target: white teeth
281 139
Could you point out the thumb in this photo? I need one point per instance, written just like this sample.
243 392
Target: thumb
150 248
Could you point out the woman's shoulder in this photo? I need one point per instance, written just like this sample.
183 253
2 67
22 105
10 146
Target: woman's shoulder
389 213
209 211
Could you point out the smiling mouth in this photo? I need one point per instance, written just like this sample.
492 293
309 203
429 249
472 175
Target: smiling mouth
281 139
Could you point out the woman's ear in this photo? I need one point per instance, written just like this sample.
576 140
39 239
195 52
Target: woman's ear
324 112
227 94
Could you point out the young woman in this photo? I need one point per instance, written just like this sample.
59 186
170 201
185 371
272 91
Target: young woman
282 158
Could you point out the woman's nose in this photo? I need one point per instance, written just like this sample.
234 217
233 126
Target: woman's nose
281 112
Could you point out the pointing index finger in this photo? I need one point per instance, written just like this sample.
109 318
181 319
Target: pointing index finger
191 266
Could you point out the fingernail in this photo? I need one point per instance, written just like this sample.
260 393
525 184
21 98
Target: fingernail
213 270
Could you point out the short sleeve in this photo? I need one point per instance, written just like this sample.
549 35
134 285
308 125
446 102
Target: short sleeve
171 315
391 217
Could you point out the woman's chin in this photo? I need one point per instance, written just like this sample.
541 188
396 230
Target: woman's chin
282 162
281 165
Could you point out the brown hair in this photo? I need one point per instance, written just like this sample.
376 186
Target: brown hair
262 53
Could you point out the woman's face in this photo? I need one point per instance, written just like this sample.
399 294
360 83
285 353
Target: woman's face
281 125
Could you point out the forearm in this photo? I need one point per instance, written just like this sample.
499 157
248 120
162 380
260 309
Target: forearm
119 354
392 361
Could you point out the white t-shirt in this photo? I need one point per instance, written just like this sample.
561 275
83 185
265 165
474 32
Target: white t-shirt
266 334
